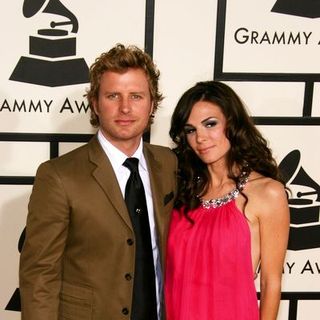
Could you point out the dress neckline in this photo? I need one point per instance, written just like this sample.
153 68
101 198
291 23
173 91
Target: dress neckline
234 193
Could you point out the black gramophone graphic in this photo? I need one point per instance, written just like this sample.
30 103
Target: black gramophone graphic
48 64
15 302
301 8
304 204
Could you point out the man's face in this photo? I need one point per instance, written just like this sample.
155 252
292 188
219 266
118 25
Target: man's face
124 107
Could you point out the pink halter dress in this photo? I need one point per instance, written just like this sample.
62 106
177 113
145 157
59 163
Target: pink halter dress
209 272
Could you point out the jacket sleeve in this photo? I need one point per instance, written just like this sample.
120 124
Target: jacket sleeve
41 256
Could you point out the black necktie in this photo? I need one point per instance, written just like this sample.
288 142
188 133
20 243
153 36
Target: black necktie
144 305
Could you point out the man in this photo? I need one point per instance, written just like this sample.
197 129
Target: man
83 256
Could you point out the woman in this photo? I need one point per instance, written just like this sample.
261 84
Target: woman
231 213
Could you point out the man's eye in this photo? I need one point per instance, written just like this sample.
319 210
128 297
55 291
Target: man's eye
112 96
136 97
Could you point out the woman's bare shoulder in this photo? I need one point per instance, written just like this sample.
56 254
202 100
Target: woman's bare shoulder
257 183
265 193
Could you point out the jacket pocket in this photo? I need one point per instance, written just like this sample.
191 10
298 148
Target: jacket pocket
76 302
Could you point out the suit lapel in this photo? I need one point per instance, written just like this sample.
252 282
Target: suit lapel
155 171
106 178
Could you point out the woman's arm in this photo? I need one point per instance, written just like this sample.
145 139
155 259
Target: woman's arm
274 222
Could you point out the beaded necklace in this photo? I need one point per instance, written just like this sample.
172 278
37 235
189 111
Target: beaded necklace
218 202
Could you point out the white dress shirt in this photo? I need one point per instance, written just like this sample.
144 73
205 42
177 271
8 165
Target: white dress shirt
122 173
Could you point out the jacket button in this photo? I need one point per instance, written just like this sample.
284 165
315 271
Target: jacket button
130 242
128 276
125 311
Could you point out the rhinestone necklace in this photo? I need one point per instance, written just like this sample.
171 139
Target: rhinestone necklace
218 202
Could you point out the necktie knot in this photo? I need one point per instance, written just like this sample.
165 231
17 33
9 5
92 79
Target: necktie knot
132 164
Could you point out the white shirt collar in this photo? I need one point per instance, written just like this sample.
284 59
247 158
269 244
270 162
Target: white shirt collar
117 157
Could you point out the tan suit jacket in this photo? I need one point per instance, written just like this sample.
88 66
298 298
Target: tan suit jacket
79 246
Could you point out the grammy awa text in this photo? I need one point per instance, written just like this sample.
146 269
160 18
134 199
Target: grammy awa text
255 37
307 267
43 106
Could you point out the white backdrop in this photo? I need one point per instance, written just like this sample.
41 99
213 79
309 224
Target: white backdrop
266 51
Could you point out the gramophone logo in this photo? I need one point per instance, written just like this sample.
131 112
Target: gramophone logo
301 8
15 302
304 204
50 63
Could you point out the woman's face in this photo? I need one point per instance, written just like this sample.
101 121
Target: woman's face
206 132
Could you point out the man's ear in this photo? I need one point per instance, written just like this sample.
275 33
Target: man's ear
95 106
151 109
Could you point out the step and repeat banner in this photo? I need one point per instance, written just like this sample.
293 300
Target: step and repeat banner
268 51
